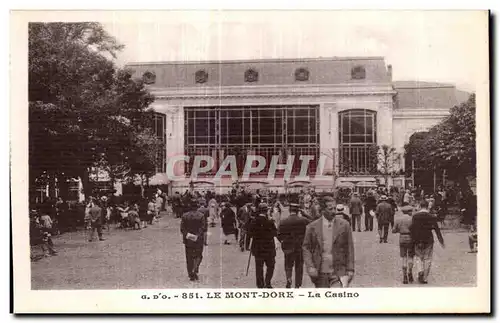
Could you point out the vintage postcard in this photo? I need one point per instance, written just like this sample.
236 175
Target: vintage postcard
250 161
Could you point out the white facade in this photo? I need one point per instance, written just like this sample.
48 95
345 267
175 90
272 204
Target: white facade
398 115
394 128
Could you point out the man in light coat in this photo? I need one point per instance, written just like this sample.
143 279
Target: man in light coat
328 249
95 219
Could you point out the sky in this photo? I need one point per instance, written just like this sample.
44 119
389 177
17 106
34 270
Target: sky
435 46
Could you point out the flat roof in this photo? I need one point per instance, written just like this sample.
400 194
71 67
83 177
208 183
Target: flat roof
257 60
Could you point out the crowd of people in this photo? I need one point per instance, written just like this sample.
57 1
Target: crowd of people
93 215
313 229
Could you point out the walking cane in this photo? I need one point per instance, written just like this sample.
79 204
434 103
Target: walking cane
250 255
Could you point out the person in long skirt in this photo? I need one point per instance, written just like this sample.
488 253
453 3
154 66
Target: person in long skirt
228 222
213 211
151 212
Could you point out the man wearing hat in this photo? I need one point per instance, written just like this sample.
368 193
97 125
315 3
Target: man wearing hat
244 218
340 213
328 249
406 246
263 231
291 235
193 227
356 209
204 210
384 213
423 223
370 206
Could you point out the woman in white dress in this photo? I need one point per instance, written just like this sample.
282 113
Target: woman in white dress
213 211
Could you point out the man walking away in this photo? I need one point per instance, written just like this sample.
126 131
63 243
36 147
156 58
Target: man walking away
421 232
291 235
356 209
244 218
193 225
263 231
384 213
370 206
328 249
95 219
204 210
406 246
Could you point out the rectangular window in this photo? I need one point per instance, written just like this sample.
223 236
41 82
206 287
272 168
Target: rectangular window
265 130
160 124
357 139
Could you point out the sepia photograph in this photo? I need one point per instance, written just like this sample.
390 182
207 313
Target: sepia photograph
221 156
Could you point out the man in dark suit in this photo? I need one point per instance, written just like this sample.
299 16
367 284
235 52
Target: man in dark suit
356 209
423 223
370 206
193 227
263 231
95 219
328 249
385 214
291 234
204 210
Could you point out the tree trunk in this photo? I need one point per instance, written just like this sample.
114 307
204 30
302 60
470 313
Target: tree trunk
142 186
87 186
52 185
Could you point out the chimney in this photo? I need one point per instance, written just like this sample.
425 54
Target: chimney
389 72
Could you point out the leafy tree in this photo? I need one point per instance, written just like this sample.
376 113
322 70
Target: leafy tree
450 145
388 162
83 111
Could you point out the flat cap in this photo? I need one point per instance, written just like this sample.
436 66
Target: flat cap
407 209
327 198
263 207
294 207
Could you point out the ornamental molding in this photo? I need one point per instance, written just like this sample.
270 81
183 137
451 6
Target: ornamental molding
250 96
420 113
149 77
171 110
251 75
272 92
201 76
302 74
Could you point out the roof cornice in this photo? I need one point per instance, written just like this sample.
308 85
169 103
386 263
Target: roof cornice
272 91
265 60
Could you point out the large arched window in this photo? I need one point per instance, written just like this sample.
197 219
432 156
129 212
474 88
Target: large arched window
358 140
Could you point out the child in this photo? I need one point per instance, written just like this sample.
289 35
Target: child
473 238
135 221
406 245
46 228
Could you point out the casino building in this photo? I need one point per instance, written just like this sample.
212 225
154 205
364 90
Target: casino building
337 107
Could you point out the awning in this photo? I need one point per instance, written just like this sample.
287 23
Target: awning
366 184
299 183
346 184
